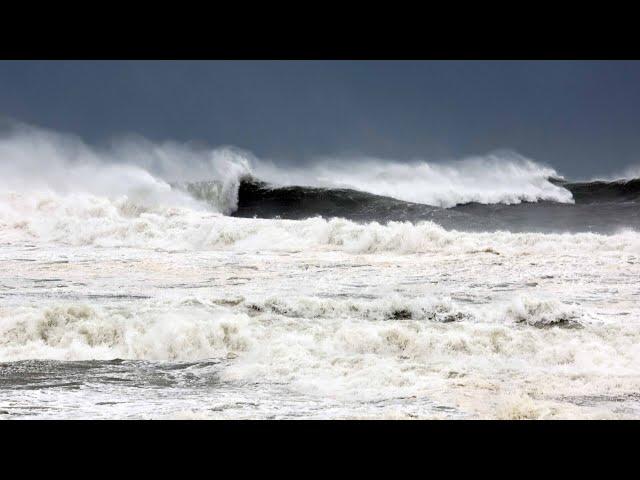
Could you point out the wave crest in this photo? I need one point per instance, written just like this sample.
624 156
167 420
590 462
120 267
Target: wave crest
172 174
503 177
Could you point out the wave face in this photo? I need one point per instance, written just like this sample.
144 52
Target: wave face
600 191
256 198
262 200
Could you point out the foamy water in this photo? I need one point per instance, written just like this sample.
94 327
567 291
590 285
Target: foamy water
326 319
142 302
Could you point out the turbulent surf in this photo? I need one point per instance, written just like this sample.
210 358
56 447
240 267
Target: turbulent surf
167 280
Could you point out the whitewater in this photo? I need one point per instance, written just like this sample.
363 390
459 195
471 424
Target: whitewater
168 280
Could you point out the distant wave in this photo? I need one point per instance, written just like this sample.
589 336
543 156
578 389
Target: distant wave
263 200
502 177
260 199
624 190
376 189
159 173
59 180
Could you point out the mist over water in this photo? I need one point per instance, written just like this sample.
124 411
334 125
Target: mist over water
167 280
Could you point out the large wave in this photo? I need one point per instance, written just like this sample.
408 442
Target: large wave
163 173
598 191
504 177
133 190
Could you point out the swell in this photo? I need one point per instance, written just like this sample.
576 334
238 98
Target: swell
623 190
260 199
263 200
603 207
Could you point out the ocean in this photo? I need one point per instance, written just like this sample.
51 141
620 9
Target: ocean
164 281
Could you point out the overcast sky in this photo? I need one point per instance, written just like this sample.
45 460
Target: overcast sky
583 118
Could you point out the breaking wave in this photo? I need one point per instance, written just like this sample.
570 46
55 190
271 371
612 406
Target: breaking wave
502 177
150 175
80 332
91 220
197 329
171 173
133 191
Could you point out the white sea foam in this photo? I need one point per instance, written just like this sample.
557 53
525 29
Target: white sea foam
83 332
343 350
503 177
195 330
84 219
39 161
492 325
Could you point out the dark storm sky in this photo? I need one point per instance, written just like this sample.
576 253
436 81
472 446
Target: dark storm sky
581 117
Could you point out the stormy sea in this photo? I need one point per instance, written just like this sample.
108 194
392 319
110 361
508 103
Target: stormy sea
145 280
